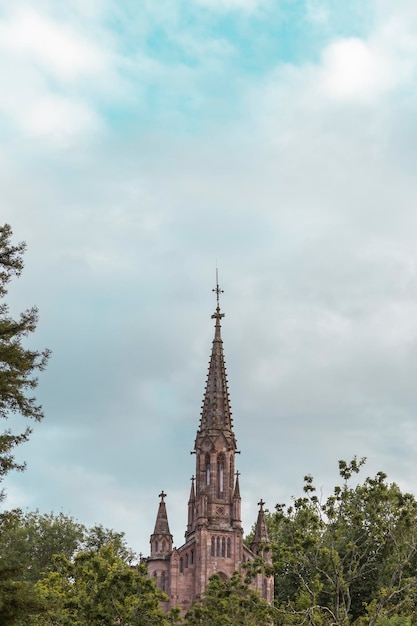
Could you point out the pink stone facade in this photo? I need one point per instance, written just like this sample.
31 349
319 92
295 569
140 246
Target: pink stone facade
214 534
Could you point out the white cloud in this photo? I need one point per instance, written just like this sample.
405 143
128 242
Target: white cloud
54 46
355 70
59 118
44 67
363 70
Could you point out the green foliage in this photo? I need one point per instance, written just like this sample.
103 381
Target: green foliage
229 602
97 537
98 588
349 558
37 552
33 539
17 364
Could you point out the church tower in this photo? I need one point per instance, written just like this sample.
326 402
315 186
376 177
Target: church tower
214 534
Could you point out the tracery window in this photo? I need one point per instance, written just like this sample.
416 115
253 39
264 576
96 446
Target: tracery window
220 476
207 469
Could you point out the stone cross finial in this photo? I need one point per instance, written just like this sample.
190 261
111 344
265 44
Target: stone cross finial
162 495
261 503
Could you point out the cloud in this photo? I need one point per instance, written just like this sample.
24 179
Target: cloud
356 71
55 47
54 66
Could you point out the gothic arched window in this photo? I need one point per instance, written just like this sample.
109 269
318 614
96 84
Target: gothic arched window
163 582
156 546
207 469
229 547
220 476
192 557
223 546
186 560
218 546
181 565
213 546
163 546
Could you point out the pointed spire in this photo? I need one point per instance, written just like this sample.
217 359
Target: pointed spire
216 413
236 493
260 537
192 491
191 508
161 524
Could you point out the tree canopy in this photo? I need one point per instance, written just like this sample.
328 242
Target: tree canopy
55 571
350 559
18 365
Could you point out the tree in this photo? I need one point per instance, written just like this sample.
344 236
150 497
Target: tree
97 537
98 588
17 594
349 559
54 570
18 364
28 545
229 602
33 539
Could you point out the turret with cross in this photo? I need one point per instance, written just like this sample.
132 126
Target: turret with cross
161 538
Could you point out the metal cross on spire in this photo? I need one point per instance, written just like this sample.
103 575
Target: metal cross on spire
217 290
217 315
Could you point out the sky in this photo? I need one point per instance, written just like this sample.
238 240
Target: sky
144 143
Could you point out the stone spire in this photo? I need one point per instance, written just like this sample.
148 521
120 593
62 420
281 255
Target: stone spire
161 538
161 524
260 538
191 507
236 522
236 494
216 414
